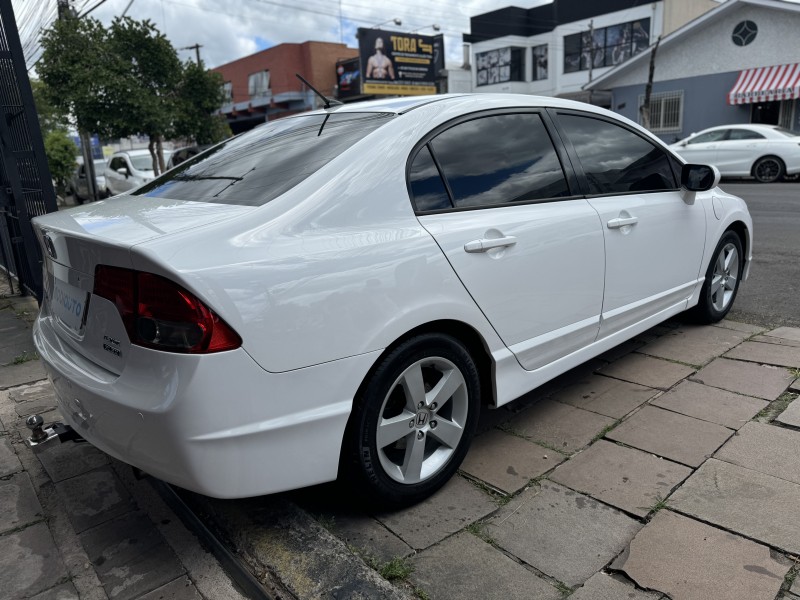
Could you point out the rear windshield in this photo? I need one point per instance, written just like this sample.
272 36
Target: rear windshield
257 166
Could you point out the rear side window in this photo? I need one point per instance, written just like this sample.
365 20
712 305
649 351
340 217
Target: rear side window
744 134
260 165
427 187
499 159
616 160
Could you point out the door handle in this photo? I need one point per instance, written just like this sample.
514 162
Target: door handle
621 222
484 245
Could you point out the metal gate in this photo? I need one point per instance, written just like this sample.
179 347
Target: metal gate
26 188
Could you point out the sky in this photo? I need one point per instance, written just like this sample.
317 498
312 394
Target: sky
230 30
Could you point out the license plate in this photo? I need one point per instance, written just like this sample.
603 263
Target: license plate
68 303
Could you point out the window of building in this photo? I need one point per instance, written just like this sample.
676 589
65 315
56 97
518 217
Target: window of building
227 92
615 160
605 46
500 65
539 62
499 160
666 111
258 84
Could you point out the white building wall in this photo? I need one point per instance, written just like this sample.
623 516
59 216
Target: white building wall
559 82
709 49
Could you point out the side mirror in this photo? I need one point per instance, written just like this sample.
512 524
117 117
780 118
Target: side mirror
123 171
699 178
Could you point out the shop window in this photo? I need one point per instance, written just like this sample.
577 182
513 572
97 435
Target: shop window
605 46
666 111
500 65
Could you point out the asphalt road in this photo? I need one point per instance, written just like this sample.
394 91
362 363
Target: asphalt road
771 296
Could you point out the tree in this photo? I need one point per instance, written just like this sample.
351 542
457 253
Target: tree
51 117
60 153
199 95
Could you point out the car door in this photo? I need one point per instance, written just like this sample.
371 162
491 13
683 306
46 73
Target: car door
702 149
113 178
492 191
737 153
654 240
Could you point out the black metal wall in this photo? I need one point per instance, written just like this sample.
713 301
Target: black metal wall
26 188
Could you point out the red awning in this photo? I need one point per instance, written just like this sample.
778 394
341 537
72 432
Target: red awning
764 84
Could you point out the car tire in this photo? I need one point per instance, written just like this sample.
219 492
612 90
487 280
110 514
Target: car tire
768 169
722 280
406 441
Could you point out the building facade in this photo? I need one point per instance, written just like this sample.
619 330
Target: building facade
738 63
263 86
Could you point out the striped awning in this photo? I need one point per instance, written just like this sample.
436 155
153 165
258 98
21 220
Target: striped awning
764 84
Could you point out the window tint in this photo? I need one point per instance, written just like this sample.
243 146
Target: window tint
260 165
744 134
498 160
116 163
616 160
427 187
711 136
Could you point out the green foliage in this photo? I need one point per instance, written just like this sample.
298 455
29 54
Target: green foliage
50 117
60 153
396 569
128 80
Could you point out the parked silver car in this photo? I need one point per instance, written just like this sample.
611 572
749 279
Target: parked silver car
79 185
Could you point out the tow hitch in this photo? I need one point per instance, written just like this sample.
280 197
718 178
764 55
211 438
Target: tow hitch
40 434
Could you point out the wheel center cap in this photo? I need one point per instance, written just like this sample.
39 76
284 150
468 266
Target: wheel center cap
421 419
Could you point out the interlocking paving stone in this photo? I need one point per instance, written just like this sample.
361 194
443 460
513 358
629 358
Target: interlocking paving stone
19 346
768 354
508 462
768 339
696 345
604 587
65 591
605 395
41 391
795 385
646 370
93 498
27 372
29 562
63 461
559 425
130 556
179 589
452 508
710 404
623 477
19 505
761 381
788 333
693 561
9 463
370 537
746 327
563 534
759 506
795 589
765 448
464 566
680 438
791 416
623 349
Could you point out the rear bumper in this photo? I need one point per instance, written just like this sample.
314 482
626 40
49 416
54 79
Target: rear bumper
215 424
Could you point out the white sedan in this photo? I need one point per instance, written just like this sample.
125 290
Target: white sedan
766 152
336 294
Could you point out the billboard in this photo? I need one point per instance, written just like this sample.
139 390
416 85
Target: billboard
348 78
399 64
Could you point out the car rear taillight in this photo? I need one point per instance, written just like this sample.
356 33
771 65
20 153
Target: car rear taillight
160 314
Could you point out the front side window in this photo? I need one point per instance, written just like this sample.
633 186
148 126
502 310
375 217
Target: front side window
614 159
710 136
263 163
499 159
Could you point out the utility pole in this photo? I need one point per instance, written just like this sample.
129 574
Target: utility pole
591 55
196 49
645 109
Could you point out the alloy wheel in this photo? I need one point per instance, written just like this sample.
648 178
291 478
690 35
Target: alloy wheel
724 279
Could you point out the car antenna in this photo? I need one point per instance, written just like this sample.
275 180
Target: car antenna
328 101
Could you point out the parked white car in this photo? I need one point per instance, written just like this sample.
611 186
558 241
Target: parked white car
128 169
766 152
338 292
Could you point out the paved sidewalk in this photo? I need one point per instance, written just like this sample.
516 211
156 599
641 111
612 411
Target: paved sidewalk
75 524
